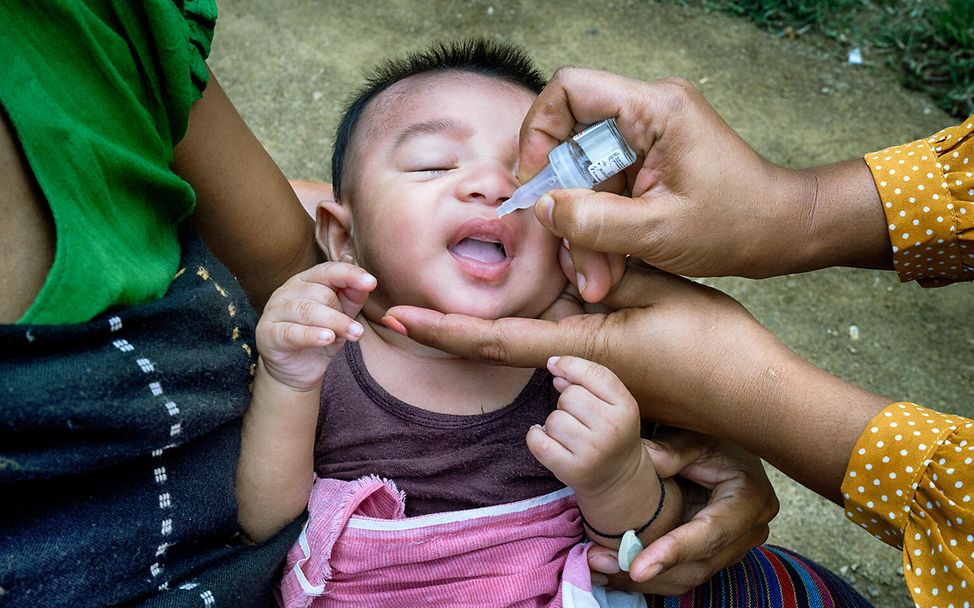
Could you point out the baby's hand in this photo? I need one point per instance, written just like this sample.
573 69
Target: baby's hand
591 442
307 320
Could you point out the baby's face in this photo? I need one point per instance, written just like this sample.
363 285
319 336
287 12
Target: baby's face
435 160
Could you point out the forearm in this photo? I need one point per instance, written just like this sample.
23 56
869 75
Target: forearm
276 466
799 418
246 210
631 506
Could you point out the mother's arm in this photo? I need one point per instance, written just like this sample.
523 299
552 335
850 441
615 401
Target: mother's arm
246 211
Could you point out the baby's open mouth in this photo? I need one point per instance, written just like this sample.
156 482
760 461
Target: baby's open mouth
484 245
482 250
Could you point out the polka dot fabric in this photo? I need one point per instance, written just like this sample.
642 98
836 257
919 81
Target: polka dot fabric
910 483
927 191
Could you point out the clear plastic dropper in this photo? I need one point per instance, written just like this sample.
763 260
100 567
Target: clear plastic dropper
587 159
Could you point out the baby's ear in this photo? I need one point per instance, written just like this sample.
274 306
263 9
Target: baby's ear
333 231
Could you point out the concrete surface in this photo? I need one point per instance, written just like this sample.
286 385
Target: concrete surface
289 65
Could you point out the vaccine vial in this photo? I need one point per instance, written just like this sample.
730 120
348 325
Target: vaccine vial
587 159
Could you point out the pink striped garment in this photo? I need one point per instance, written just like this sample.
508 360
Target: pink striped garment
359 549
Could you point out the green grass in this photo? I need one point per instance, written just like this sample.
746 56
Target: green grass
930 42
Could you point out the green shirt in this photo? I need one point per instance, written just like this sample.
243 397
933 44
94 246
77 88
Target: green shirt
98 93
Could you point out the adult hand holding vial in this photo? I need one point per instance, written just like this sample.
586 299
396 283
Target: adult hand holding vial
584 161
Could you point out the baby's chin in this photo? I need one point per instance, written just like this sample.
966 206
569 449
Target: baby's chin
488 309
482 306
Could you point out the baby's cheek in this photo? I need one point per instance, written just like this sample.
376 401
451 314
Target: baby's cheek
547 284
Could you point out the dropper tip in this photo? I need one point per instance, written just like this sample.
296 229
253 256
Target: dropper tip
506 207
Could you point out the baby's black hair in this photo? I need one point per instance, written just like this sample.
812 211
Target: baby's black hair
505 62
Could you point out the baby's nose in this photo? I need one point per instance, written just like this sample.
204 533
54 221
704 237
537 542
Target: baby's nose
491 186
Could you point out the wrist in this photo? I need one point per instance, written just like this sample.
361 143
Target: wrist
269 377
632 502
843 219
791 196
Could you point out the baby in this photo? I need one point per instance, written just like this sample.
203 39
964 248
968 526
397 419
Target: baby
429 476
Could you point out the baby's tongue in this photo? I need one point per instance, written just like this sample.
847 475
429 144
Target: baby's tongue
481 251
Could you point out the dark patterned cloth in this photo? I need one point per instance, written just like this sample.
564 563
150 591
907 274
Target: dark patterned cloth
118 447
769 577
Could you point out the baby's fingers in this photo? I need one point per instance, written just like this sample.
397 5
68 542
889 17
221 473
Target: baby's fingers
549 451
295 336
351 284
314 315
596 379
339 275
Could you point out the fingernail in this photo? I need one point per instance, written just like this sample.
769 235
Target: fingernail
355 330
607 563
394 324
599 580
369 279
651 445
581 281
566 244
326 335
547 205
552 361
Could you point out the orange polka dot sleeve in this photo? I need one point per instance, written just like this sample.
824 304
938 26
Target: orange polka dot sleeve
910 483
927 192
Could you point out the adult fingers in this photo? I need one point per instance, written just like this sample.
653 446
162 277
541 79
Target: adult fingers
599 272
509 341
641 287
685 576
673 582
672 452
592 273
717 537
574 98
599 221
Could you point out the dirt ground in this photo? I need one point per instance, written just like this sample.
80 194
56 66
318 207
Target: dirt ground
289 65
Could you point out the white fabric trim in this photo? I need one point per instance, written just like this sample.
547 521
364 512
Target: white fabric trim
370 523
306 585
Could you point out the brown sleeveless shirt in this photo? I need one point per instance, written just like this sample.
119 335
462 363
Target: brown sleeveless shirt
443 462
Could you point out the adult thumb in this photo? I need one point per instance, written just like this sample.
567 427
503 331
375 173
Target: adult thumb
599 221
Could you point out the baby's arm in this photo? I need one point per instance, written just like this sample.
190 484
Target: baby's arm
303 326
592 444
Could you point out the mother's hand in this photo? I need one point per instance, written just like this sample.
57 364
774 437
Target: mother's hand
729 502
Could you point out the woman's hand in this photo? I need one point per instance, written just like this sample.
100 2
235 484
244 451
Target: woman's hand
699 201
694 358
729 502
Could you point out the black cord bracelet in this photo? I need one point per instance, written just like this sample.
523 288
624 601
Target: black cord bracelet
659 509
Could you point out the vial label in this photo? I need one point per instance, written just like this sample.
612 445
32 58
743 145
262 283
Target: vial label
608 166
